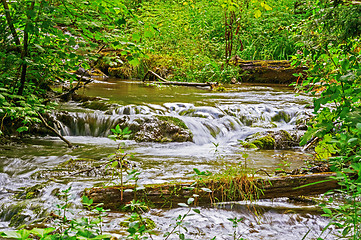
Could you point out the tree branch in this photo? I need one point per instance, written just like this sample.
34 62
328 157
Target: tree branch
10 23
70 145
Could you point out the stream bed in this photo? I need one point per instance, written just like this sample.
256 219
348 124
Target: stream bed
218 121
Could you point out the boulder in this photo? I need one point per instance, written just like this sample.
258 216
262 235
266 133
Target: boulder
271 140
156 129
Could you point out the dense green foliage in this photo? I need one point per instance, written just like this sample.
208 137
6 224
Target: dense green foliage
43 42
330 40
189 42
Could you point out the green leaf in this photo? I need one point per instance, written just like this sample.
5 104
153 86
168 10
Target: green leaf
183 205
113 137
22 129
42 232
134 62
11 234
351 140
114 164
136 37
86 200
105 237
257 13
85 65
196 170
196 211
117 129
190 200
327 211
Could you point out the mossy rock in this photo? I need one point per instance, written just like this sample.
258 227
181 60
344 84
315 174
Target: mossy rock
83 98
264 125
174 120
22 213
284 140
282 115
248 145
266 142
31 192
156 129
96 105
270 140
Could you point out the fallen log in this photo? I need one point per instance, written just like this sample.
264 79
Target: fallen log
188 84
169 195
268 71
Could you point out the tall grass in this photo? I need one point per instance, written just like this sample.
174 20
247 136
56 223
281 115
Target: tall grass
187 37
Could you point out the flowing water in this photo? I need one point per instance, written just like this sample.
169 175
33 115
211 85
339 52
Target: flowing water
217 120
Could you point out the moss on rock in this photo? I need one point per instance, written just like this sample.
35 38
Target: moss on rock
248 145
157 129
22 213
96 105
270 140
174 120
282 115
266 142
31 192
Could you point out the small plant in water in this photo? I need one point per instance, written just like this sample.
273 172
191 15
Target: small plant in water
138 226
98 210
235 221
119 133
180 220
68 228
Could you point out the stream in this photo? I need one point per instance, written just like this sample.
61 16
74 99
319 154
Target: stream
217 121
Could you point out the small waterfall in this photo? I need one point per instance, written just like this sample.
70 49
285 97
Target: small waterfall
222 123
96 124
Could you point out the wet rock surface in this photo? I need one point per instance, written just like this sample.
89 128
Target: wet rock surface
156 129
272 140
81 167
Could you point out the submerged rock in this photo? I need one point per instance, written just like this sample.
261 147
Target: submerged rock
31 192
156 129
22 213
82 167
271 140
281 116
97 105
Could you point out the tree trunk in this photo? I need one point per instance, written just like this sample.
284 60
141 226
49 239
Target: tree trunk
24 53
10 23
168 195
